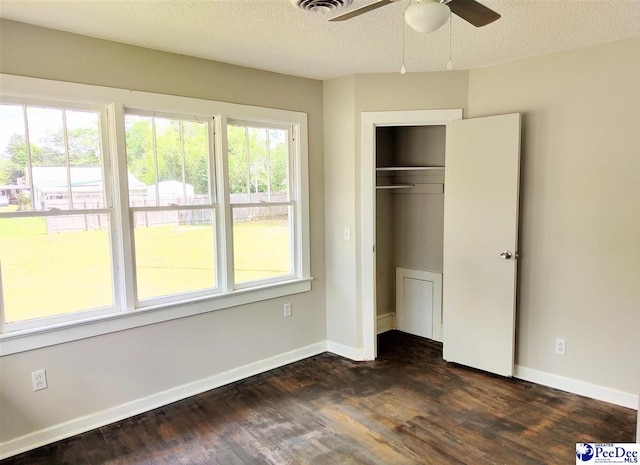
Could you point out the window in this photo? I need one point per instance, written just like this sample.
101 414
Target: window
139 201
262 206
170 196
56 246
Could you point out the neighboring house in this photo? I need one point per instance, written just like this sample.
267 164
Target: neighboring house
11 191
171 191
53 184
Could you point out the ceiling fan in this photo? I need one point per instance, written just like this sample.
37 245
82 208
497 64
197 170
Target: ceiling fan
429 15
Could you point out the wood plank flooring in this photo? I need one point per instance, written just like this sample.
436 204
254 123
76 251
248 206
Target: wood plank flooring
408 407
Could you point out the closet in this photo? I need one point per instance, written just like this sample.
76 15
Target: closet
409 223
439 245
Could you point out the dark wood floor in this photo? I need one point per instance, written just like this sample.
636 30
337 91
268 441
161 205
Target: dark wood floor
408 407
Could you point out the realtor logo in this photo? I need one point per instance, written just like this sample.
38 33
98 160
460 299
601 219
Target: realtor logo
584 452
607 453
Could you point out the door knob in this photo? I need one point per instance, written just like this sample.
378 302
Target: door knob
506 255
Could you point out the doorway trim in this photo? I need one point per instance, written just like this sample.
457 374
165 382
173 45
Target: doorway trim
369 122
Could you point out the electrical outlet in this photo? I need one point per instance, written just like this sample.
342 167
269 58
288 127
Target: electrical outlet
561 347
287 310
39 380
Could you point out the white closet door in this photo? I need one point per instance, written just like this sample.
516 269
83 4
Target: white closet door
480 223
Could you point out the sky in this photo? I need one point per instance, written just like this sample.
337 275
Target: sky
41 122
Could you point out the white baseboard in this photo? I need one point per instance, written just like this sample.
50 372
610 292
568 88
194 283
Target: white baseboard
351 353
386 322
575 386
120 412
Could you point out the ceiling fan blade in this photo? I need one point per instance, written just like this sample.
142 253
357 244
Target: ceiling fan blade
364 9
473 12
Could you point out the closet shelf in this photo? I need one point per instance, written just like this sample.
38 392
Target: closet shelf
397 186
410 168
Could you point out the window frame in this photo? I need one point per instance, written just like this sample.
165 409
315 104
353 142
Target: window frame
132 314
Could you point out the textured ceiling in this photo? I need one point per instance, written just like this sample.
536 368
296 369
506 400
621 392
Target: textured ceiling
273 35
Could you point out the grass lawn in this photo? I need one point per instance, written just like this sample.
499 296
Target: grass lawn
44 275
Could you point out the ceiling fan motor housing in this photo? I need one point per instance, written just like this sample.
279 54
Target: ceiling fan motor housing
321 6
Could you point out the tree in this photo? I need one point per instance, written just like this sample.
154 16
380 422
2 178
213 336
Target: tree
84 147
195 154
84 150
263 171
169 151
51 151
279 159
15 159
140 149
5 171
237 159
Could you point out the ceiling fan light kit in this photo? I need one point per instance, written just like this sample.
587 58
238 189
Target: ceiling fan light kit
427 15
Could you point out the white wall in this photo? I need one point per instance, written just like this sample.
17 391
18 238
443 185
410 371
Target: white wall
580 213
91 376
343 324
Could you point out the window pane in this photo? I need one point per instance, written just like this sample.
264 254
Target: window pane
168 151
237 161
13 156
258 163
87 185
46 137
140 163
167 160
56 265
279 164
48 159
258 160
261 242
174 252
196 160
64 149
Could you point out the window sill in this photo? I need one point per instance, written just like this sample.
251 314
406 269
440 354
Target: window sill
21 341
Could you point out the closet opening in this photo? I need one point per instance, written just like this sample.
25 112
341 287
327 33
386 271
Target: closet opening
410 167
403 169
